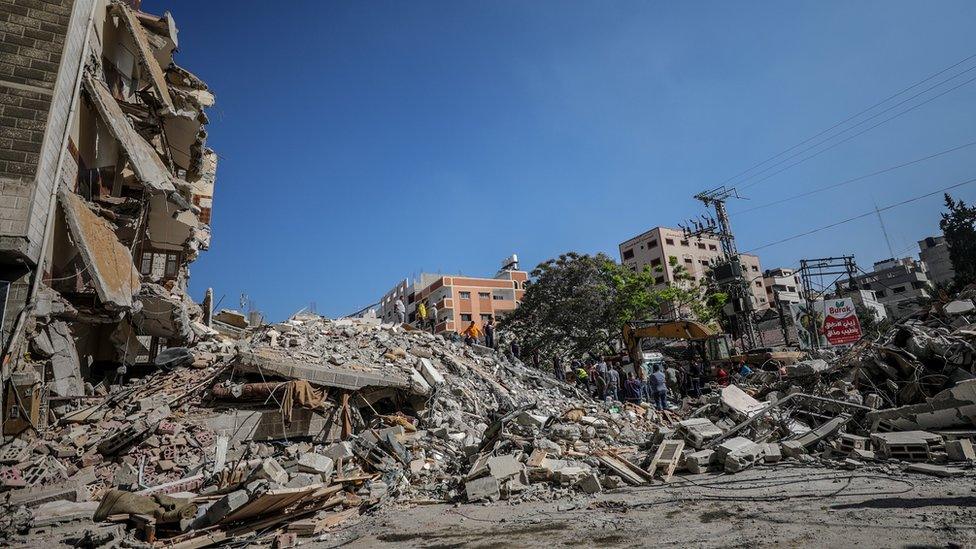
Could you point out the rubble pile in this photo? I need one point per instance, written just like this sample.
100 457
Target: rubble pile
303 425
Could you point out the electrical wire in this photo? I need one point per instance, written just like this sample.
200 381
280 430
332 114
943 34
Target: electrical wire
861 216
850 118
858 178
845 140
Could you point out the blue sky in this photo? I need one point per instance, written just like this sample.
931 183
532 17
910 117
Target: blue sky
362 142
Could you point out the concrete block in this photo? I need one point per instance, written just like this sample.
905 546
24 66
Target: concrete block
697 431
589 484
225 506
961 450
736 400
743 458
772 452
531 420
315 463
697 462
792 448
341 450
270 469
301 480
504 467
723 450
431 375
480 489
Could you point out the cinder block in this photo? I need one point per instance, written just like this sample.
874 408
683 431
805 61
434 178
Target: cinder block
484 488
961 450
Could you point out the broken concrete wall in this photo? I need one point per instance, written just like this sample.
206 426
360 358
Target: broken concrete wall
952 408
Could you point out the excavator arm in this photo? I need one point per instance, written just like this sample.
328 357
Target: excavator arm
634 332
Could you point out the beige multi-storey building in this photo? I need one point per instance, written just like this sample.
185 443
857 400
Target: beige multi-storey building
656 247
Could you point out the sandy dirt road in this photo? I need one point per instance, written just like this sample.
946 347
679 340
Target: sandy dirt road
782 506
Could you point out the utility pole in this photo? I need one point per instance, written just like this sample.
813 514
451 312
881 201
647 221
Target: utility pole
729 275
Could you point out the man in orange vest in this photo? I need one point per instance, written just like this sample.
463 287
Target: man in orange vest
472 333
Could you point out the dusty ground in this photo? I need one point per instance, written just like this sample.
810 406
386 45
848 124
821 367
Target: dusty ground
782 506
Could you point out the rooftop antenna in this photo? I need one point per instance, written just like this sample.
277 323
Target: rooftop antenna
884 231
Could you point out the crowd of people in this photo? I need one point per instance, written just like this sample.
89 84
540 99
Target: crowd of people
656 384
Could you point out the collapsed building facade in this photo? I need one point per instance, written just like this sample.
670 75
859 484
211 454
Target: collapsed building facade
106 188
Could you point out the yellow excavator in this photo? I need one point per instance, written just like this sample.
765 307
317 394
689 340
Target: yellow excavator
707 344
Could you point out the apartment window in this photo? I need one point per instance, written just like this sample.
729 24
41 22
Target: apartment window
145 266
759 283
655 262
484 295
684 243
464 295
791 288
485 317
755 269
880 293
669 241
689 260
652 244
465 317
705 262
171 264
497 297
628 254
898 290
712 247
701 245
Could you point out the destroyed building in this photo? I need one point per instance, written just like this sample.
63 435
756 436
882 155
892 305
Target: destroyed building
106 189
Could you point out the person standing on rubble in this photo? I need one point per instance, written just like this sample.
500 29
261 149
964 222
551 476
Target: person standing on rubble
432 313
401 310
614 383
671 376
421 315
694 378
514 348
490 333
471 333
557 368
659 388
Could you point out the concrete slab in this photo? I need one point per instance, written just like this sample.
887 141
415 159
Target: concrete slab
108 262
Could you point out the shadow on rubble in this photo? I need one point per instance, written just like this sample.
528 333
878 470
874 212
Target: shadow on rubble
909 503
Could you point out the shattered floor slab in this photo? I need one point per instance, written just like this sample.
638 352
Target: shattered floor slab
108 262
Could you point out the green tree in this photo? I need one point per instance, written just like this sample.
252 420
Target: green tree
577 304
958 224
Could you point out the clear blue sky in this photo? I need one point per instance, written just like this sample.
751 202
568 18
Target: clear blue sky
361 142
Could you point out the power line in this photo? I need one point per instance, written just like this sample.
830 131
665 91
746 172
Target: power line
858 178
852 117
863 215
862 132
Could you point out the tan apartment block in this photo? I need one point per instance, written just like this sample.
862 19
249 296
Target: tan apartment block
654 248
458 299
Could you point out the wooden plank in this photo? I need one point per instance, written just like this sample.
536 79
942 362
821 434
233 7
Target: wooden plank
621 469
272 501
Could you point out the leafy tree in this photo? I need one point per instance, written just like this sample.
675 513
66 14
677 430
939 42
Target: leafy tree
687 295
958 224
577 304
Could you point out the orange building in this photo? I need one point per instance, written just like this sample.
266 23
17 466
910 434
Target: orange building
459 299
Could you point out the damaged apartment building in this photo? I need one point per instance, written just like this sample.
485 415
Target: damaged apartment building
106 185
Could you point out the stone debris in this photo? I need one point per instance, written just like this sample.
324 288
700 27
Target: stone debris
296 427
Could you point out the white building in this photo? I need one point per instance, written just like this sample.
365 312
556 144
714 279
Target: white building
934 252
